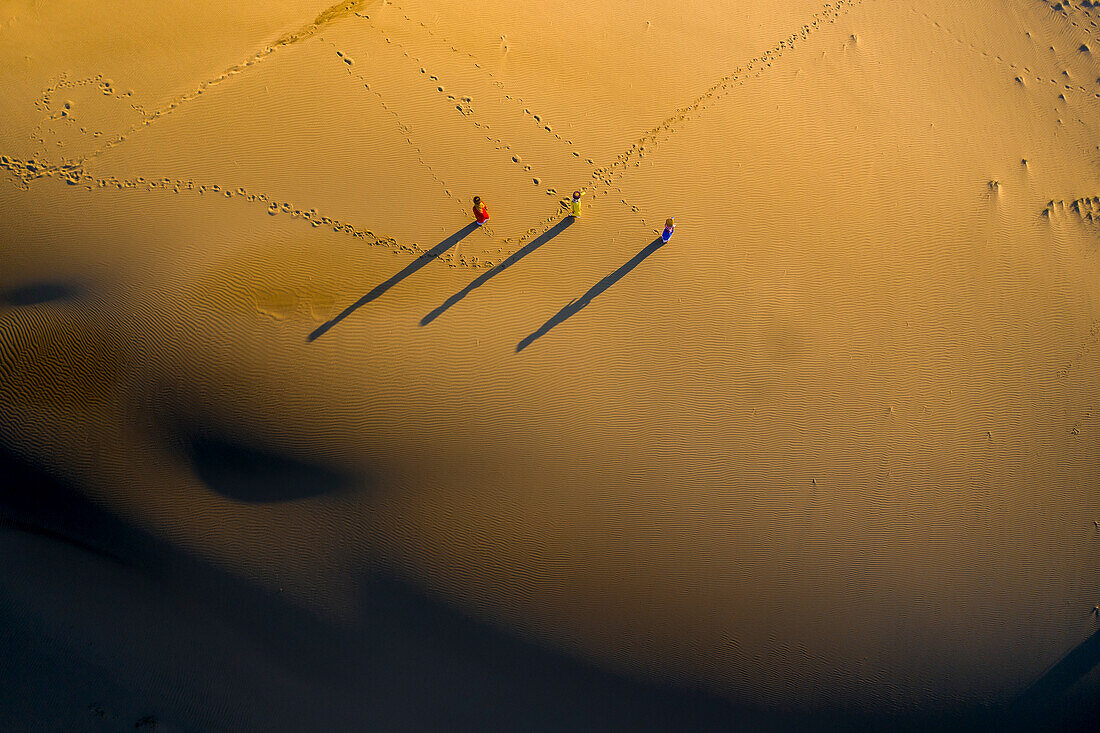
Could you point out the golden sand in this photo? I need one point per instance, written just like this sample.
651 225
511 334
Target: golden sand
836 444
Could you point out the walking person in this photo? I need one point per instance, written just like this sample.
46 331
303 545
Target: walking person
575 204
481 212
670 226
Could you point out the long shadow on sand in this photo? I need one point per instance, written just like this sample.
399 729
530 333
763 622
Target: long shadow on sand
512 259
432 254
578 304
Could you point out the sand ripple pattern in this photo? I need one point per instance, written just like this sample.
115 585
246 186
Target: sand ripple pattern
1075 361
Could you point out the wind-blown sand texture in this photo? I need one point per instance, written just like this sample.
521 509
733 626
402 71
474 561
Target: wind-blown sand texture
292 445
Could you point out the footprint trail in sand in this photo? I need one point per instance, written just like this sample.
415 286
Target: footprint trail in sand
329 16
605 177
73 172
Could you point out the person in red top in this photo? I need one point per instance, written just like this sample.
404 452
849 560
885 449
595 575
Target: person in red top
481 213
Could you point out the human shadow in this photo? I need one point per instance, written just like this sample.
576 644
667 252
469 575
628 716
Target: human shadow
577 305
433 253
512 259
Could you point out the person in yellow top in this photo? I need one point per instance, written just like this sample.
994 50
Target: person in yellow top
575 204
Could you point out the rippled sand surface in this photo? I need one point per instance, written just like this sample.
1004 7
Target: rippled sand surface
292 444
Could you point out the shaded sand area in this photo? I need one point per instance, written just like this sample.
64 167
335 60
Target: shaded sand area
290 444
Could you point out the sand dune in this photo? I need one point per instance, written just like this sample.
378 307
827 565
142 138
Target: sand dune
829 457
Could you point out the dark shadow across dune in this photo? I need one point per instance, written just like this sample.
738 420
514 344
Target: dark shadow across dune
244 473
577 305
434 253
200 649
1046 698
40 292
29 503
512 259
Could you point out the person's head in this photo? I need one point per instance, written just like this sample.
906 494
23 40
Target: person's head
576 195
477 201
670 222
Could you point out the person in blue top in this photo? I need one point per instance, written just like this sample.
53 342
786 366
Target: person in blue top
670 226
